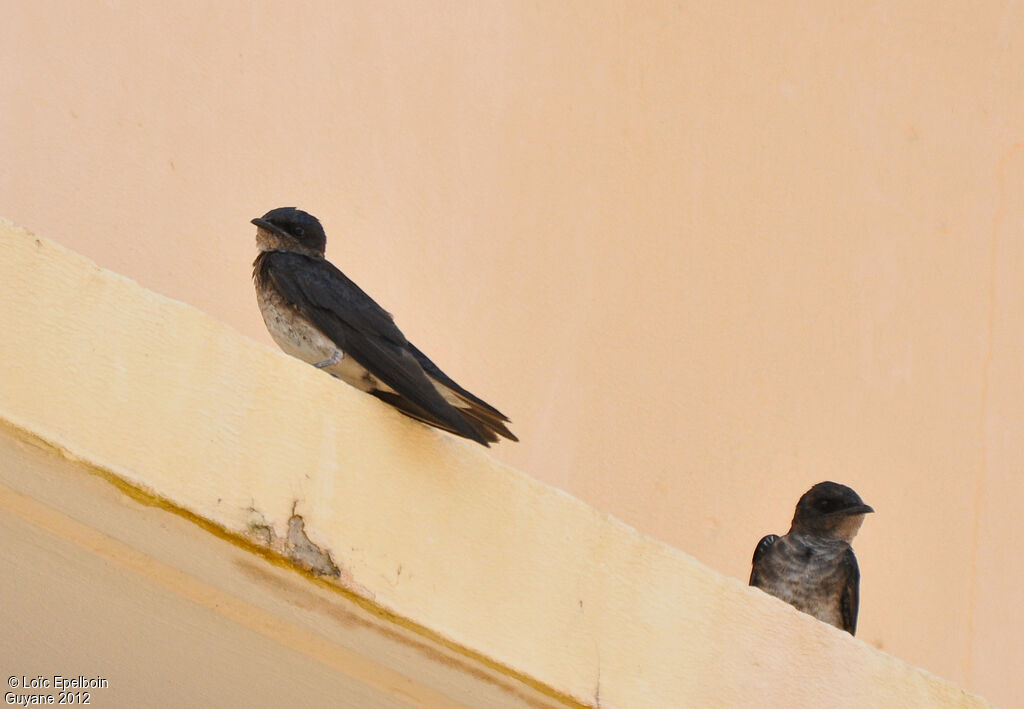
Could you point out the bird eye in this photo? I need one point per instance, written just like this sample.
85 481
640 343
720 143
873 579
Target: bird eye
299 231
825 505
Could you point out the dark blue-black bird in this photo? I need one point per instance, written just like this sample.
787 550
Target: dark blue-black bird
315 313
812 567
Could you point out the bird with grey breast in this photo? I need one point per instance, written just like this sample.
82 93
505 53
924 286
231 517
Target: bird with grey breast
316 313
812 567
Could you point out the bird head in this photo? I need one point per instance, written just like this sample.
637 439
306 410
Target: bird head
831 510
290 229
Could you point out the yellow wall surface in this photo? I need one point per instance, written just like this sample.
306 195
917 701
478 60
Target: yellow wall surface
703 255
101 585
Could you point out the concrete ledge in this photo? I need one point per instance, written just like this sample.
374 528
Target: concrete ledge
422 525
170 615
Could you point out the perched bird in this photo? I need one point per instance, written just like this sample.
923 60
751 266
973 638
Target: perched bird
315 313
812 567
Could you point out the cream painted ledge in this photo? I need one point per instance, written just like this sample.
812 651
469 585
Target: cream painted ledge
421 524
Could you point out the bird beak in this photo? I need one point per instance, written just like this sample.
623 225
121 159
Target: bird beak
860 509
264 224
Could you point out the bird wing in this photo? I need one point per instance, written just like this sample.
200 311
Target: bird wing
364 331
304 280
849 601
487 418
759 552
437 375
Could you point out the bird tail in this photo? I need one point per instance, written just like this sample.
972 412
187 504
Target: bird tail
487 420
458 425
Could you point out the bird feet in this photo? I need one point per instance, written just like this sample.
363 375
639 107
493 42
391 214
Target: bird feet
333 360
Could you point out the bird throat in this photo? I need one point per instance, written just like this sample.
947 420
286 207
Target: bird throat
848 528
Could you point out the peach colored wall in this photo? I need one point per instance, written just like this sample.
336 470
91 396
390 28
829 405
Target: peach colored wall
732 250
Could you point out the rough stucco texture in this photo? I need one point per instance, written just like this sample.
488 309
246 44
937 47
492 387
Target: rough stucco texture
424 524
